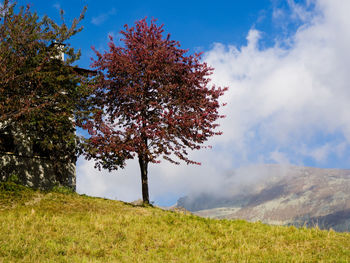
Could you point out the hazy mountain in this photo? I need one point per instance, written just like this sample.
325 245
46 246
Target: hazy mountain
288 195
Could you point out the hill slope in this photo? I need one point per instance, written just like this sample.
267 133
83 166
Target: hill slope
58 227
289 195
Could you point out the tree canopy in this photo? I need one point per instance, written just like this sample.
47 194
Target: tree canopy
39 92
151 101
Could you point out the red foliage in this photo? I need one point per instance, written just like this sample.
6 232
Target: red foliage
151 100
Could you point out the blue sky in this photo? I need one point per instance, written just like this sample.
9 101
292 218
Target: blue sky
196 24
286 63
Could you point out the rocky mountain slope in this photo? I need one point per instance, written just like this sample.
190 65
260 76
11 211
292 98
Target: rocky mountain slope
289 196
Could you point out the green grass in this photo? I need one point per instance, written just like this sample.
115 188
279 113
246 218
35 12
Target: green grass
67 227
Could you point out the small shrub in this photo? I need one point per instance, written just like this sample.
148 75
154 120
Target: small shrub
12 193
62 189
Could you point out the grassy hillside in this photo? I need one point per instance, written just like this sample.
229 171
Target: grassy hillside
64 227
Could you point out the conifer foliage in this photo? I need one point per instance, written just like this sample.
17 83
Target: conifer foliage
39 93
151 101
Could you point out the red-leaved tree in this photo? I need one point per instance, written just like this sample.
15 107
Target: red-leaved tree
151 101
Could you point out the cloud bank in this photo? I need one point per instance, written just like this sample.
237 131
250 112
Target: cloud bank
292 98
288 103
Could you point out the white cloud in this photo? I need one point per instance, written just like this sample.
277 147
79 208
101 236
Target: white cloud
320 154
116 185
299 11
279 157
57 6
278 13
284 105
287 96
100 19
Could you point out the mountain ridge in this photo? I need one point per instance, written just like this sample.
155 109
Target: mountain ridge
291 195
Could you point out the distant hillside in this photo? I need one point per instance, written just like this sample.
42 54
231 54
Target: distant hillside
65 227
289 195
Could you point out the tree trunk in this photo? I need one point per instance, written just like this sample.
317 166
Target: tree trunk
144 179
